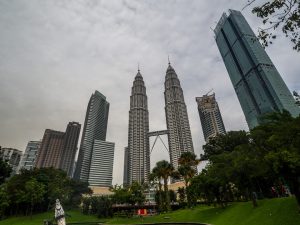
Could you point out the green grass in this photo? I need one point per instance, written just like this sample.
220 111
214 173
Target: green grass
281 211
75 216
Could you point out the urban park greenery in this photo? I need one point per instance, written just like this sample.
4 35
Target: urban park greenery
34 191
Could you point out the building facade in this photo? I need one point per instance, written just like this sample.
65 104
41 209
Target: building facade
29 157
180 138
70 147
138 128
12 156
58 149
49 153
125 172
210 116
258 85
94 131
101 169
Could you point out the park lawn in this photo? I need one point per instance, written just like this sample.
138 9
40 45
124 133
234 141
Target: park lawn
75 216
279 211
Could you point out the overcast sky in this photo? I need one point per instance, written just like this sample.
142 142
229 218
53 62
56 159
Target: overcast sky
55 54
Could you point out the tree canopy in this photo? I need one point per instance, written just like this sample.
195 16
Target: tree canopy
275 15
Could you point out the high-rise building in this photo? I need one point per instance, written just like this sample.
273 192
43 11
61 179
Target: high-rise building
258 85
28 159
70 147
93 145
12 156
101 169
180 138
210 116
125 172
138 141
58 149
49 153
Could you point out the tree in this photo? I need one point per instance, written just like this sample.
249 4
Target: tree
136 191
188 169
163 170
278 14
121 194
187 166
5 170
4 200
279 139
34 193
155 179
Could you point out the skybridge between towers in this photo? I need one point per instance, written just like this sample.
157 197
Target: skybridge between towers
157 135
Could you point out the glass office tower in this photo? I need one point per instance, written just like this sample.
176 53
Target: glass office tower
258 85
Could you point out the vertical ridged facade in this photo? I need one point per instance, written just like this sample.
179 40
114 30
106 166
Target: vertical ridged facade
138 141
180 138
95 126
258 85
210 116
101 169
70 147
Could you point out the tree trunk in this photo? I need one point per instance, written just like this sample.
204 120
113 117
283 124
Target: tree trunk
167 194
160 196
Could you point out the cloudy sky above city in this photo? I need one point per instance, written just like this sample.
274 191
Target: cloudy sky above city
55 54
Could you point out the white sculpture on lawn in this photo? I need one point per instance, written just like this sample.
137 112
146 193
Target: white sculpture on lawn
59 214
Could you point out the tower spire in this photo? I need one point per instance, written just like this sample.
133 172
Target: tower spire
169 60
138 67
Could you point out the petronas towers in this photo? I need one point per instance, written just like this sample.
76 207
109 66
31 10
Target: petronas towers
180 138
138 157
137 153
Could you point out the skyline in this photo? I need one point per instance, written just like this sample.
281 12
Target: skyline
49 50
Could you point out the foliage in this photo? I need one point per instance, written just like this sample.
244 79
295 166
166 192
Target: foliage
136 191
5 170
187 170
97 205
279 14
181 196
244 165
121 194
36 191
162 171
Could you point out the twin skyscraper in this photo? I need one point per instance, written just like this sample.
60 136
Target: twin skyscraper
137 154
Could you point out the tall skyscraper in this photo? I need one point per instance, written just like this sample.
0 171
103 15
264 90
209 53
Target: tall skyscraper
258 85
51 148
138 141
180 138
58 149
92 158
70 147
210 116
28 159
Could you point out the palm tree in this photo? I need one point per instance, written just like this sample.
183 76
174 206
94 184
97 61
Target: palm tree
188 166
163 170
